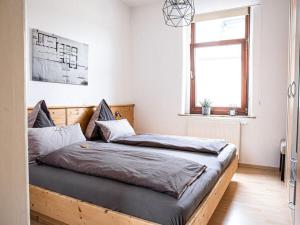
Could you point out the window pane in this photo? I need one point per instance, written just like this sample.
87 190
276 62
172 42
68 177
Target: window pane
218 75
220 29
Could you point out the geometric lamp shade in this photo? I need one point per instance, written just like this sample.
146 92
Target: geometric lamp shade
178 13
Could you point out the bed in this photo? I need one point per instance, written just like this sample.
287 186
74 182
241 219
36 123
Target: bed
59 196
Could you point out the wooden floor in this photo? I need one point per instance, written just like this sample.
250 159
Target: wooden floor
254 197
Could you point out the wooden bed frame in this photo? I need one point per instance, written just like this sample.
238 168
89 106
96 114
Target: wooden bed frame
48 207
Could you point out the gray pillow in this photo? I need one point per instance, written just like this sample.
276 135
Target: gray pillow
114 129
40 116
102 112
42 141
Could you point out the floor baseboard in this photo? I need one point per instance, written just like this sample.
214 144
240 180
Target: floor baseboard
245 165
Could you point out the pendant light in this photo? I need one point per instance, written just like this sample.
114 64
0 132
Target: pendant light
178 13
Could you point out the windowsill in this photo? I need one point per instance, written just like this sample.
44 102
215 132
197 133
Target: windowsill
217 116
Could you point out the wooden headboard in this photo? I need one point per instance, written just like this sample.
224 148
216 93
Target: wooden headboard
67 115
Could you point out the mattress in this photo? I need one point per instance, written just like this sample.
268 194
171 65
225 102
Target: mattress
134 200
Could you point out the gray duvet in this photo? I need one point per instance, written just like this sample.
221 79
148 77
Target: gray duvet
193 144
151 170
131 199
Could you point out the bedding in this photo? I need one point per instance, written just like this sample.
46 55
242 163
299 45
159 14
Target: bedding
102 113
114 129
151 170
212 146
42 141
40 116
131 199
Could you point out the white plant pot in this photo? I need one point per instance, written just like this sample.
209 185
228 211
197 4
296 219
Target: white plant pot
206 111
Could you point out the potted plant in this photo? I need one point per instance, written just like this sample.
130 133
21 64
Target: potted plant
206 106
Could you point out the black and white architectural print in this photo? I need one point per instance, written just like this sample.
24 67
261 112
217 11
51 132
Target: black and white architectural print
59 60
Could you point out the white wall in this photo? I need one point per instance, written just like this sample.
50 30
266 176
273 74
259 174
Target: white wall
158 76
105 27
14 209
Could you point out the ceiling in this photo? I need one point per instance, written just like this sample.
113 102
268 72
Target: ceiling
134 3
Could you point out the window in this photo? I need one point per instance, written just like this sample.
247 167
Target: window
219 64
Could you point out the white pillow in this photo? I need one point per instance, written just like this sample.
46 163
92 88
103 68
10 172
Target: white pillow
114 129
42 141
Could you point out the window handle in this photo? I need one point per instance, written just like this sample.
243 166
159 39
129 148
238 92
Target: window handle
192 75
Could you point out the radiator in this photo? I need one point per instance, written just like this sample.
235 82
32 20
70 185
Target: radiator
218 128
